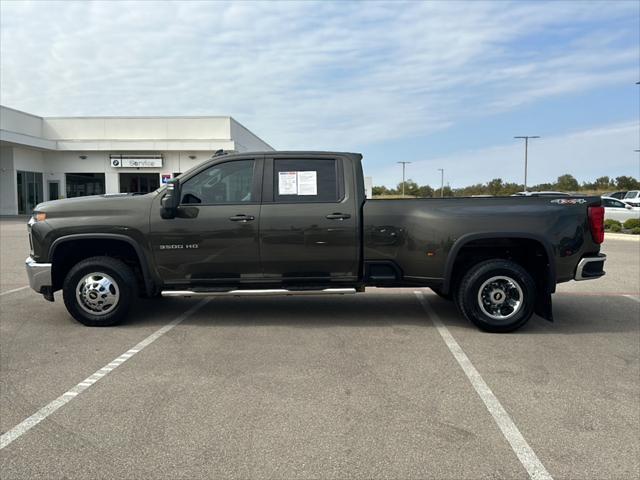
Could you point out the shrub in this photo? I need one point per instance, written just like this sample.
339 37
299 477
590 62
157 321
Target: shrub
635 230
632 223
615 227
609 223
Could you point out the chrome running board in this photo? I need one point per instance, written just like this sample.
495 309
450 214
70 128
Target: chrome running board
256 292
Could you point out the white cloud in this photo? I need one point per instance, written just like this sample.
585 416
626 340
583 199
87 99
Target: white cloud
587 154
308 75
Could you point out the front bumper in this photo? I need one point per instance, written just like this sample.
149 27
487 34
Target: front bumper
39 274
590 268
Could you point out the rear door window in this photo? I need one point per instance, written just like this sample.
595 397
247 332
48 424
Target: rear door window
306 181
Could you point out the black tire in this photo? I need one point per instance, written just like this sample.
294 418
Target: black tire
113 276
446 296
499 297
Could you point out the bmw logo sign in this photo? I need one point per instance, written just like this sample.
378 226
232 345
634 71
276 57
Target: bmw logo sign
116 163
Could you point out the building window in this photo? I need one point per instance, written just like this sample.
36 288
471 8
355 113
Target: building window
29 191
83 184
139 182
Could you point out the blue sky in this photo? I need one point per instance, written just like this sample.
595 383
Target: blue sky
440 84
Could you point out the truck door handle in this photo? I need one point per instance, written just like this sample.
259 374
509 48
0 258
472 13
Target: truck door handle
338 216
242 218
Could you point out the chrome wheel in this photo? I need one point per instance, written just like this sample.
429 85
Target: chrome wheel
97 293
500 298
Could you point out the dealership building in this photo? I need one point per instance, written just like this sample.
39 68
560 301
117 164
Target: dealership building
46 158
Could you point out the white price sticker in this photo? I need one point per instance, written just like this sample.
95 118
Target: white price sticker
287 183
308 183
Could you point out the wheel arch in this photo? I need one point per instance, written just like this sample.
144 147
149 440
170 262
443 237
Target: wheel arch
113 238
468 239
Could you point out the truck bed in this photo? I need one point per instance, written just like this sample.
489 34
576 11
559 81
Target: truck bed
419 236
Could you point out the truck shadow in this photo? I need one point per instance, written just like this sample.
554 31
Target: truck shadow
573 314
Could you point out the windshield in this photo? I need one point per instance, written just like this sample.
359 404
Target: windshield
632 194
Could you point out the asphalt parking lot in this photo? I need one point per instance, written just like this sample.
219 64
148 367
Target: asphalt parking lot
366 386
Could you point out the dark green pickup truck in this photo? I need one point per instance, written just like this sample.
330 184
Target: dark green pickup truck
299 223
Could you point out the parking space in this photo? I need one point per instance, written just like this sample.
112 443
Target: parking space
332 387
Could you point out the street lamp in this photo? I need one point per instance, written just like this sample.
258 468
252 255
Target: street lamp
403 167
526 149
441 170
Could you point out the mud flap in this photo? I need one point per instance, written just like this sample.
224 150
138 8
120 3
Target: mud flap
544 307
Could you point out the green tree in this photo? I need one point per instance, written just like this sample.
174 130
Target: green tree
425 191
511 188
494 187
567 183
603 183
627 183
410 188
380 190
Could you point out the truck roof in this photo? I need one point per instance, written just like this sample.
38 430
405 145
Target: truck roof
288 153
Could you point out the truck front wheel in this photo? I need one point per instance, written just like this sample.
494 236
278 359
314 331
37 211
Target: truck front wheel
497 296
98 291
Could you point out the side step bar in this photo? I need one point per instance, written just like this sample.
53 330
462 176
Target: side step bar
257 292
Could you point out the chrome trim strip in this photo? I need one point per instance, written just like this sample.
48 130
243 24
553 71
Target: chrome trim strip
39 274
257 292
584 262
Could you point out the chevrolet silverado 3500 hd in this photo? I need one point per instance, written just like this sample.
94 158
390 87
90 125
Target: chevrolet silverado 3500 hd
298 222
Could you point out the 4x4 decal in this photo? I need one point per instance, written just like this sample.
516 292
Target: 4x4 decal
569 201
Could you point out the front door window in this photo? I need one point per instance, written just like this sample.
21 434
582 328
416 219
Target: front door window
230 182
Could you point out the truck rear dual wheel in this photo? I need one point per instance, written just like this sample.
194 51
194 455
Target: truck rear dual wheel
98 291
497 296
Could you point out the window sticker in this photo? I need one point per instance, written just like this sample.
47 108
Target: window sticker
308 183
288 183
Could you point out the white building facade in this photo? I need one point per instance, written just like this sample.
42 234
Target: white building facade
47 158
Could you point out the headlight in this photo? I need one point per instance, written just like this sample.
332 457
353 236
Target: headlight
37 217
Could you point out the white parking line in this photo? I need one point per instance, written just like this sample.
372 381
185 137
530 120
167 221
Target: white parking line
66 397
633 297
14 290
525 453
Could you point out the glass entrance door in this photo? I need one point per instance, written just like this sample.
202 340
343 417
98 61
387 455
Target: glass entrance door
29 191
54 190
139 182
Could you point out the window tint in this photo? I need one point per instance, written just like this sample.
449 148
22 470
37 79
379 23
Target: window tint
229 182
305 181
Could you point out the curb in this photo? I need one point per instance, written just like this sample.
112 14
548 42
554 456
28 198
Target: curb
621 236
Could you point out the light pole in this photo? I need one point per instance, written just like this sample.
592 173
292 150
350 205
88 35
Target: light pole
441 170
526 150
403 167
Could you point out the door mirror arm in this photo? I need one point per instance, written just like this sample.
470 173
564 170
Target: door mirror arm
170 200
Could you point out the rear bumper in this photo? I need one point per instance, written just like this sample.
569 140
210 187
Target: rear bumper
590 268
39 274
